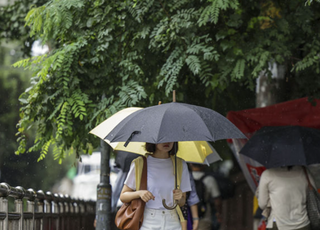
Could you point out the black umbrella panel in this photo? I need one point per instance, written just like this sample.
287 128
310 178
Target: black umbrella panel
277 146
173 122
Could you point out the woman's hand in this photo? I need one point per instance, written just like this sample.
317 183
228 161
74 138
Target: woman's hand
127 195
179 196
195 224
145 195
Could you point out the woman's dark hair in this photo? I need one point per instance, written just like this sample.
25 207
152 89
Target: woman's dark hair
151 148
174 149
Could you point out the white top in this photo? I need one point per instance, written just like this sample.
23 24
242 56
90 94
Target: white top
287 191
160 181
212 188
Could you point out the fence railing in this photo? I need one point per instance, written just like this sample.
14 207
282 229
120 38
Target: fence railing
22 209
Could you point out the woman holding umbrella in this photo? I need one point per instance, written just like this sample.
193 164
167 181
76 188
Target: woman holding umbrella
160 185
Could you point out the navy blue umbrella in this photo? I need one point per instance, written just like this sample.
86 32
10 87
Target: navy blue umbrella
173 122
277 146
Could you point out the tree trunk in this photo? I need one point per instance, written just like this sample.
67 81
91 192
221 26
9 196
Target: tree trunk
270 90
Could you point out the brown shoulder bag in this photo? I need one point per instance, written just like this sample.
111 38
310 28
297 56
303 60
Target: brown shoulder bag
130 215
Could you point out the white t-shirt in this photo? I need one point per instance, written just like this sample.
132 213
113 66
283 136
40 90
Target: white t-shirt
160 181
287 192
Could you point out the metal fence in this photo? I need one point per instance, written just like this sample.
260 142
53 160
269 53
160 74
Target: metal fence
22 209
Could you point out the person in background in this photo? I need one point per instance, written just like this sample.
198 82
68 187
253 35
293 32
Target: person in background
190 209
212 198
285 190
160 185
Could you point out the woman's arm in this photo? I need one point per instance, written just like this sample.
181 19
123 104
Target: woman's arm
195 216
127 195
193 197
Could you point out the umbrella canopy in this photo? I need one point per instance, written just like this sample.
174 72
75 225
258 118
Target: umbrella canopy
276 146
173 122
191 151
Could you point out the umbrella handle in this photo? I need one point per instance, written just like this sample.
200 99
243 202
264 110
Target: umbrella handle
167 207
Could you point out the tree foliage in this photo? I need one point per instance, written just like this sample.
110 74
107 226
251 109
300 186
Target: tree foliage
12 23
111 54
20 170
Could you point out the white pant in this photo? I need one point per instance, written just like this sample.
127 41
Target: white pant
154 219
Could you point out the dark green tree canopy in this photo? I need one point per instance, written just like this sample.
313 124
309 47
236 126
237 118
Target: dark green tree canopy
107 55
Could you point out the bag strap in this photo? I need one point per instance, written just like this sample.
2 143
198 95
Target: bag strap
139 163
306 173
143 183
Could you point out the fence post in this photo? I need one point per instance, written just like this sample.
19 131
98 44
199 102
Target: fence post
31 194
48 210
82 214
4 206
66 211
76 215
71 214
18 194
55 212
62 213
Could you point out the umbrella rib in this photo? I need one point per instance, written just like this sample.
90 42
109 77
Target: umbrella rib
207 129
160 126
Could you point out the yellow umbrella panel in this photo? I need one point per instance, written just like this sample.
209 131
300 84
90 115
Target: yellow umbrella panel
191 151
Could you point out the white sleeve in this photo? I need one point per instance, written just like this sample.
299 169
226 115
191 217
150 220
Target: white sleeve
185 178
263 197
131 177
